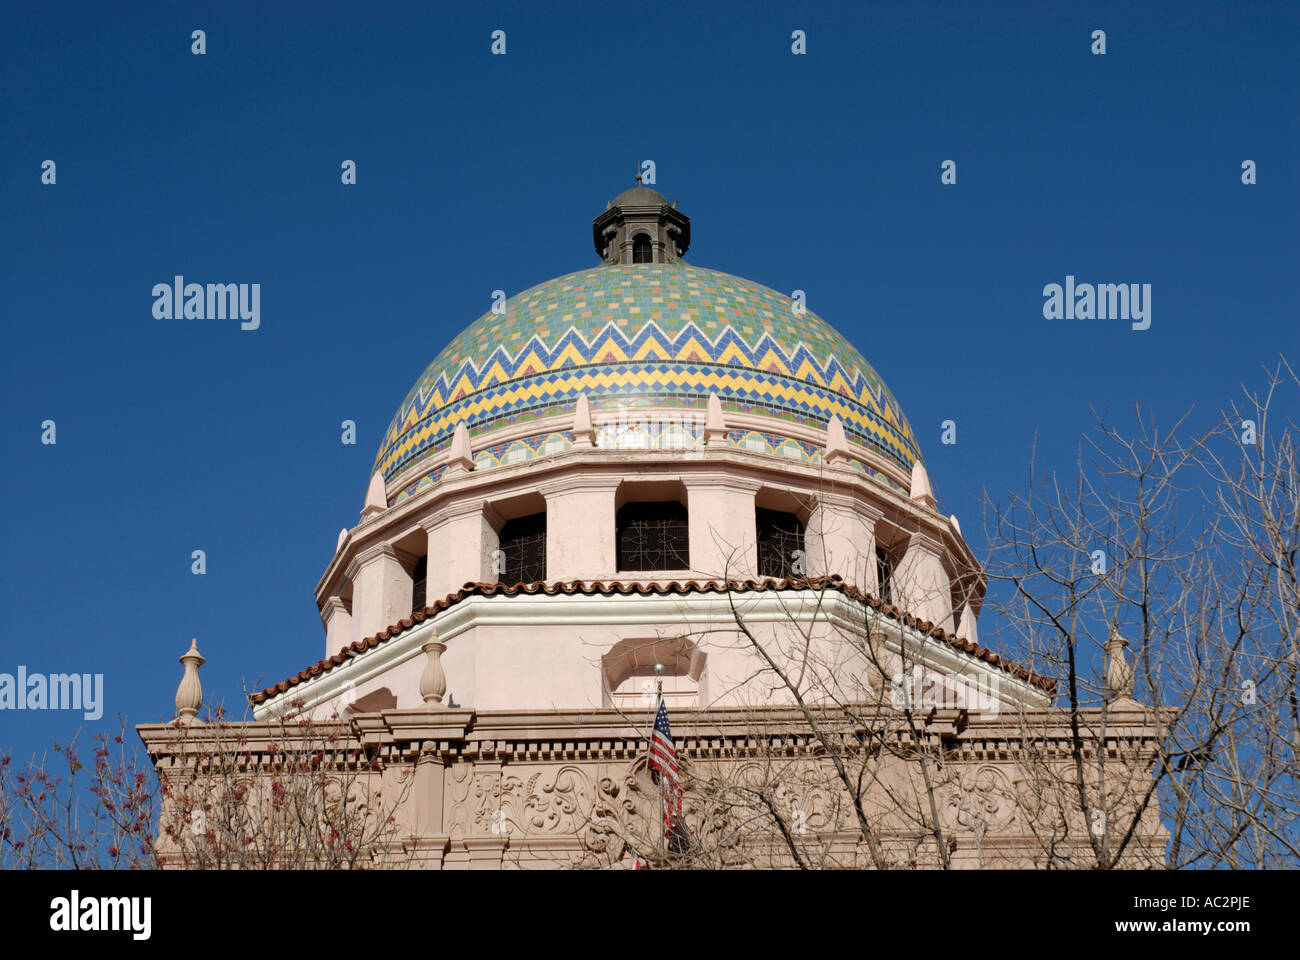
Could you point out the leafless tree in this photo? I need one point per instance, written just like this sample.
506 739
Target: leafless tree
287 793
57 813
291 792
1155 580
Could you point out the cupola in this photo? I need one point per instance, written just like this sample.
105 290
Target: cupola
641 226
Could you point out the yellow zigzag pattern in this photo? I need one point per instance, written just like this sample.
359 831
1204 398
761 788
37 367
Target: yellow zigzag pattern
740 380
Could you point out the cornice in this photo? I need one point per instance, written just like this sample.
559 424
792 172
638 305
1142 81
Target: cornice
469 507
584 481
369 555
696 611
500 737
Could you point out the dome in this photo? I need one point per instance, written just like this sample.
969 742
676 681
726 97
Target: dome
657 335
639 196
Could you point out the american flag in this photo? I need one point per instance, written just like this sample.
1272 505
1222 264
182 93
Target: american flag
663 757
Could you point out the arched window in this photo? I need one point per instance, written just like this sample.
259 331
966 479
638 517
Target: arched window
642 252
780 544
653 536
522 545
419 584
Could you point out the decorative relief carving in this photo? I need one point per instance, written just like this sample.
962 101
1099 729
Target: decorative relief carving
550 801
555 803
612 810
459 782
493 796
605 839
982 801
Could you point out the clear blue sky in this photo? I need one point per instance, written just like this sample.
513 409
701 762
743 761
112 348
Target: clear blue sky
819 172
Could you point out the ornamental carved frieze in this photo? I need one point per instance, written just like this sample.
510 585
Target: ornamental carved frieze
551 801
520 802
981 800
817 807
605 841
608 814
495 795
460 780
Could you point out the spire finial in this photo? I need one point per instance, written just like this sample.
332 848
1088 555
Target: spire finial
1119 675
433 682
189 695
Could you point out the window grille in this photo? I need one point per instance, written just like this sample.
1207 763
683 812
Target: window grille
653 536
523 550
780 544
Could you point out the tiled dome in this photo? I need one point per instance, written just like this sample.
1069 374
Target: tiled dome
647 334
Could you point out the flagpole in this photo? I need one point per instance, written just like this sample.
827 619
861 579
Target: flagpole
649 744
659 691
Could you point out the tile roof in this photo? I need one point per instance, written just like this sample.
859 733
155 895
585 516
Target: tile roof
674 587
663 333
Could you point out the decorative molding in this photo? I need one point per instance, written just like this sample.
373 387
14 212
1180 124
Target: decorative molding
370 555
600 481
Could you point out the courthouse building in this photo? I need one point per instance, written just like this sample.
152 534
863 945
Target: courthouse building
651 473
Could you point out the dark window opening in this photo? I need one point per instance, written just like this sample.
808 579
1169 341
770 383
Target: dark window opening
780 545
522 544
419 583
885 575
653 536
641 249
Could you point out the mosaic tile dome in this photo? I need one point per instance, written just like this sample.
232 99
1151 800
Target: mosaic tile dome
646 334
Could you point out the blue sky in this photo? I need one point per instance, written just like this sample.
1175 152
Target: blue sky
819 172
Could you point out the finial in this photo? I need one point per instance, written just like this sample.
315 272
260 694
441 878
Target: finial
376 497
638 175
967 629
715 424
189 695
461 456
1119 675
921 490
584 435
837 444
433 682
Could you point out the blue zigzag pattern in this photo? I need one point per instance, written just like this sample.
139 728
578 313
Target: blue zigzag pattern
425 392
